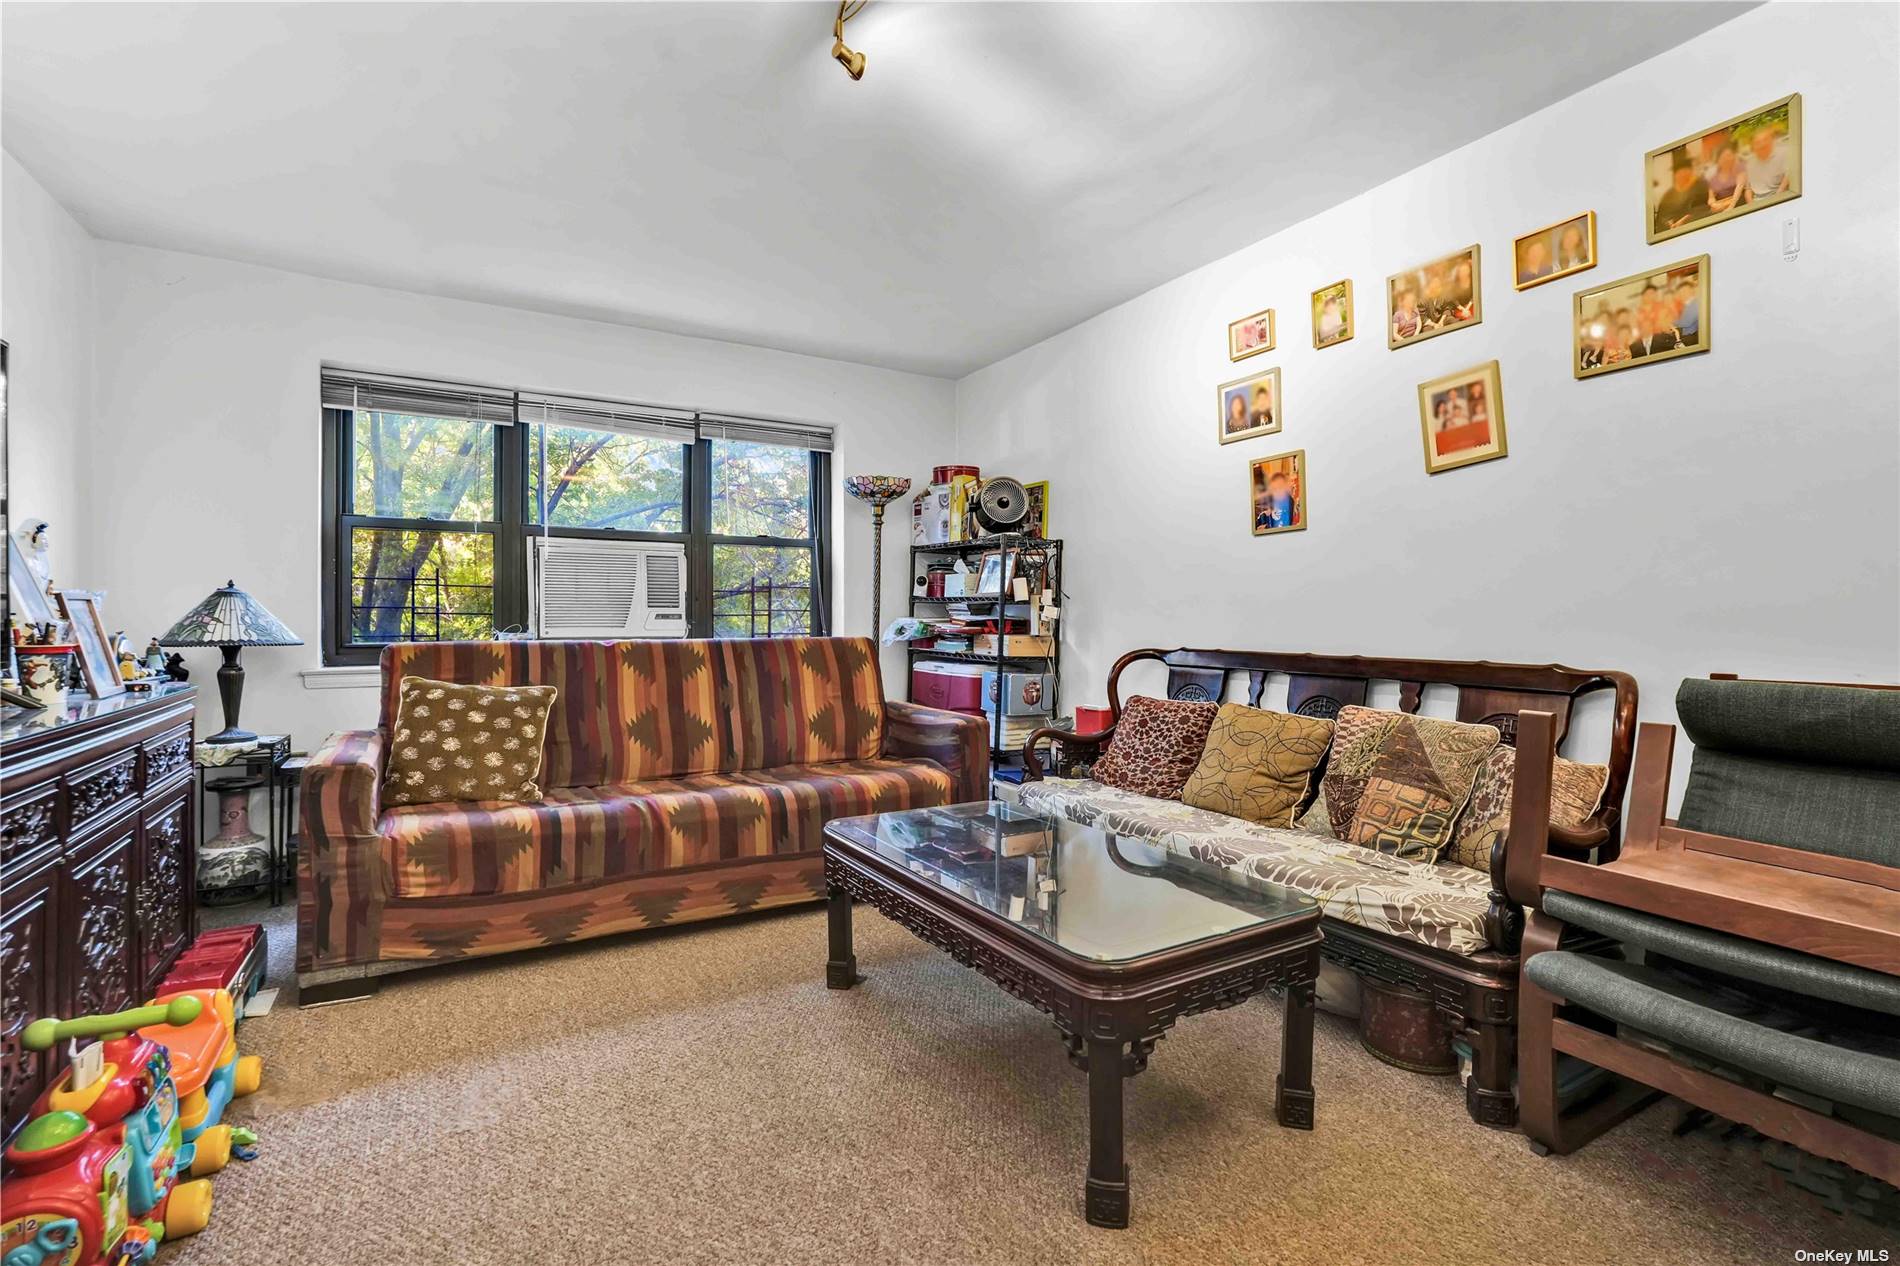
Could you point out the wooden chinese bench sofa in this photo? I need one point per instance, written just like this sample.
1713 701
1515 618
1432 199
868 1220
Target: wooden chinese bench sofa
683 780
1768 919
1455 939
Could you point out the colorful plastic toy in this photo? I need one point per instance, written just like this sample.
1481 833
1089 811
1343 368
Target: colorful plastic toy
209 1073
92 1178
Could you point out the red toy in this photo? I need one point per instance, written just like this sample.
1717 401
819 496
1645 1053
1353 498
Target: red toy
224 958
92 1178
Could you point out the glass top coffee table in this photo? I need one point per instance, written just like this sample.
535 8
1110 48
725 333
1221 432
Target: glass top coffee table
1114 938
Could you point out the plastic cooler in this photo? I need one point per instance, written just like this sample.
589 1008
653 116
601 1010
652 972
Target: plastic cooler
958 687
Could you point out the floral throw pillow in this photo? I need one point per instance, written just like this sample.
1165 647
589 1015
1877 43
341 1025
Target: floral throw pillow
1396 782
1575 790
451 742
1156 745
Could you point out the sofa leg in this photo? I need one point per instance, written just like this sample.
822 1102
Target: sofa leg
330 992
1489 1096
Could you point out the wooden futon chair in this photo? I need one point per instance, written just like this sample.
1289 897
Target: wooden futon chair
1744 957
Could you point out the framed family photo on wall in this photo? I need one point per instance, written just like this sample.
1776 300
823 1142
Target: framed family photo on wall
1639 320
1462 417
1332 314
1747 163
1278 485
1251 335
1556 250
1433 299
1250 406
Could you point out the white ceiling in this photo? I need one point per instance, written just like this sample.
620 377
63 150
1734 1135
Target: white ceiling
1002 172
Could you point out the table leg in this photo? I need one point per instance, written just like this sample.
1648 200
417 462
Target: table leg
1293 1093
841 969
270 794
1105 1197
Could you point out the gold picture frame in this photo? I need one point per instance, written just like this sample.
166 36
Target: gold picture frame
1461 418
101 666
1038 494
1526 274
1273 515
1607 321
1244 336
1440 303
1700 153
1246 392
1339 292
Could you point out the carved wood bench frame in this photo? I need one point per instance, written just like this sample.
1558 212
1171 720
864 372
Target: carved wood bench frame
1477 992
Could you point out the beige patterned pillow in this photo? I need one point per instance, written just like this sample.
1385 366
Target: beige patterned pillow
1257 764
1396 782
1575 791
451 742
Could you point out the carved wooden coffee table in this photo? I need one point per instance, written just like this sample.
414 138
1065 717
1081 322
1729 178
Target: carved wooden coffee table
1114 938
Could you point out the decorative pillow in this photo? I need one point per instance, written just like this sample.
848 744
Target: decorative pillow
1257 765
1396 782
451 742
1156 745
1575 790
1317 820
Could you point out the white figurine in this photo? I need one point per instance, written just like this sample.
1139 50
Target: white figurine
37 547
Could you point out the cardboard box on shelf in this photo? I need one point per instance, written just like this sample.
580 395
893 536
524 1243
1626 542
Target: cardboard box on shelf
1019 644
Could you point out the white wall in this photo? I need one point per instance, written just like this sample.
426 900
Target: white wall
46 264
204 448
1730 511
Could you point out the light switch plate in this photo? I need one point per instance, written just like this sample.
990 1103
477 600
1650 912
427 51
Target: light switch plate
1791 237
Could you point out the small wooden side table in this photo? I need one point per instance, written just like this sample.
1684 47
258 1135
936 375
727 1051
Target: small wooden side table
239 772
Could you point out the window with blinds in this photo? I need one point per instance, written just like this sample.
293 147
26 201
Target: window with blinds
434 490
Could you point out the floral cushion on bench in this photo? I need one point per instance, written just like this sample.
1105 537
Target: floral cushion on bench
1439 904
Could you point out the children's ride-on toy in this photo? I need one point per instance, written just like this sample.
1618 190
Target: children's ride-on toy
92 1178
209 1073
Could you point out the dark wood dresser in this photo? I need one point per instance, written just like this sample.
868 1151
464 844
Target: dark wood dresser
98 831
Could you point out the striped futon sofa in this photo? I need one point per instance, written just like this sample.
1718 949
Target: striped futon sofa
683 779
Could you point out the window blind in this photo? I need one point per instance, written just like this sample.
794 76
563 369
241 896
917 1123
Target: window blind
726 426
607 415
431 398
428 397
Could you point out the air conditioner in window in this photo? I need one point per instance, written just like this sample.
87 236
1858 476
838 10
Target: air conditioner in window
608 589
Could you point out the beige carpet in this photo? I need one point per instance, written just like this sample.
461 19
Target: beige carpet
699 1096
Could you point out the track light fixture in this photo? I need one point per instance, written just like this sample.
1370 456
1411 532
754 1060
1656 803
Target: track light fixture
852 62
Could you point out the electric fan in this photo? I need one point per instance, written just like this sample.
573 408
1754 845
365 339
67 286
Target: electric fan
1002 505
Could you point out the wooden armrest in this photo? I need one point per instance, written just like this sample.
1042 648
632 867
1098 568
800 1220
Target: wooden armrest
1514 866
1825 915
1032 764
1586 836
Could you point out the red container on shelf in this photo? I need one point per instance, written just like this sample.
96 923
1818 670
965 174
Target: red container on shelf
943 474
958 687
1091 720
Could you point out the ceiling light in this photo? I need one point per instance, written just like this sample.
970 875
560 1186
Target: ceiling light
853 63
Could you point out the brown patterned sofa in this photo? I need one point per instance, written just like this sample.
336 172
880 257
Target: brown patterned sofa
684 780
1441 937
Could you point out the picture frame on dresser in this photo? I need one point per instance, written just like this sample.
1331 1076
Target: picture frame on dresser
101 667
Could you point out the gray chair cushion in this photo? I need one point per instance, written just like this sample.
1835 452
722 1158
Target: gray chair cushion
1809 767
1647 999
1804 974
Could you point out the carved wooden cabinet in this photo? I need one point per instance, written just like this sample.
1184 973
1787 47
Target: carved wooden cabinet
97 840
